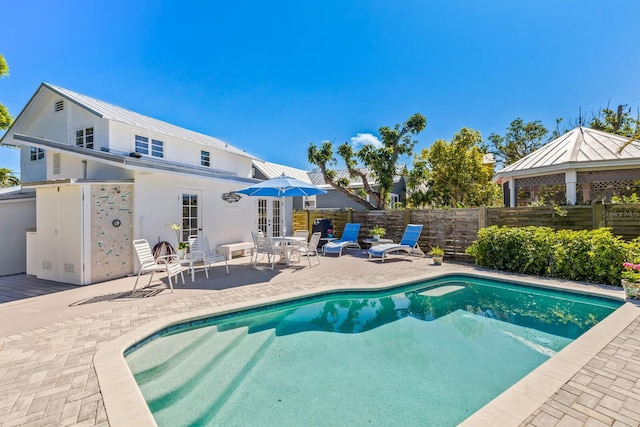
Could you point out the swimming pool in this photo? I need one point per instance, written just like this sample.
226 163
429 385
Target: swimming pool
426 354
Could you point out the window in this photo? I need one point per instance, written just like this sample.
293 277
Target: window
394 199
36 154
205 158
142 146
84 138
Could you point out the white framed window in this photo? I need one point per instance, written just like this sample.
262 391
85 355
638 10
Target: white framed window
393 199
155 148
205 158
36 154
84 138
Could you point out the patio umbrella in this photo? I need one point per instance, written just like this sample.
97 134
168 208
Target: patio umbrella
282 186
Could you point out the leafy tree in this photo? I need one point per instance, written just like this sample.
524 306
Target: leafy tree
380 162
7 178
618 122
5 117
454 173
519 140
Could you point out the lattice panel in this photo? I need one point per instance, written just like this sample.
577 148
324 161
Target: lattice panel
614 185
540 180
612 175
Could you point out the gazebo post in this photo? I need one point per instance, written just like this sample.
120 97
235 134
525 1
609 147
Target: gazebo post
513 197
570 180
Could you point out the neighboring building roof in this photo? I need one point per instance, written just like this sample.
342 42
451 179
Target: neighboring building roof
582 147
16 193
318 180
274 170
122 115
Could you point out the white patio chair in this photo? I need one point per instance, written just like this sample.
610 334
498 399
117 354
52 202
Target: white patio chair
167 263
264 245
310 248
201 252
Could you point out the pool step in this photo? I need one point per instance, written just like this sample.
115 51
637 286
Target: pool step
167 352
201 401
169 385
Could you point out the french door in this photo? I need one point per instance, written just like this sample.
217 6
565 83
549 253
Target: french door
270 217
191 211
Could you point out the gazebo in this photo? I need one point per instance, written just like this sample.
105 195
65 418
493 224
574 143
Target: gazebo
581 166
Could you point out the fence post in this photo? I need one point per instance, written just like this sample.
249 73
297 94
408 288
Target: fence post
407 217
598 215
482 217
349 215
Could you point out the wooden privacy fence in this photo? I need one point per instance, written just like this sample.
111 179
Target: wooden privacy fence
455 230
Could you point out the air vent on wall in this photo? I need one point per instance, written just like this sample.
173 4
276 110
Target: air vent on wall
58 106
56 163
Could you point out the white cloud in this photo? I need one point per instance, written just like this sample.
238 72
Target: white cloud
365 138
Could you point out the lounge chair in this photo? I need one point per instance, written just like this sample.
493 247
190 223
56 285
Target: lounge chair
167 263
408 244
201 252
349 240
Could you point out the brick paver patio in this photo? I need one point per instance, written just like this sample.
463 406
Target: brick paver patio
48 343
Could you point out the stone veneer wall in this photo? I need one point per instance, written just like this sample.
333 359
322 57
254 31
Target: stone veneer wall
111 247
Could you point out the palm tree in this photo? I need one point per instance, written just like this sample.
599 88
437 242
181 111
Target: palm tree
7 178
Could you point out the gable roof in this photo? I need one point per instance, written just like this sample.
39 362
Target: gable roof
274 170
581 147
108 111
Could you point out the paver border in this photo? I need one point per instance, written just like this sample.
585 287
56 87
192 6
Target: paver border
125 405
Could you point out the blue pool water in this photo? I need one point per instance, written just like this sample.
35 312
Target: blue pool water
425 354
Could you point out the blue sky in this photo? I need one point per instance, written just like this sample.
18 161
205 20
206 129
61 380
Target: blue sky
270 77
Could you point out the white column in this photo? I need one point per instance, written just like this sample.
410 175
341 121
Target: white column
570 180
513 201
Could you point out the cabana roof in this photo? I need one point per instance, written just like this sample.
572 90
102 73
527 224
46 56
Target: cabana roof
580 148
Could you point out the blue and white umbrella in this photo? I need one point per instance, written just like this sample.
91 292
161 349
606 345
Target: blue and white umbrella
282 186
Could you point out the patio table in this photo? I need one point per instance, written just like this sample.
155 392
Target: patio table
287 243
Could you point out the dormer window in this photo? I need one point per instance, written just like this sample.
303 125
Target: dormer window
155 148
84 138
205 158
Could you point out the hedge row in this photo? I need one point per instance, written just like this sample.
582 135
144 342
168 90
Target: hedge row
590 256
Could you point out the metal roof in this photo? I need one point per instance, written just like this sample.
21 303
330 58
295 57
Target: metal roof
121 115
582 147
274 170
318 180
16 193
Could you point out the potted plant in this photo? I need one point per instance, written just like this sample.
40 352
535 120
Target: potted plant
377 232
182 249
631 280
437 253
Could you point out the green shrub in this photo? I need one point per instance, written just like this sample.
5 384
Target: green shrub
592 256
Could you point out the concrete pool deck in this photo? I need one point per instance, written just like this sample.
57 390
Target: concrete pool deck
50 374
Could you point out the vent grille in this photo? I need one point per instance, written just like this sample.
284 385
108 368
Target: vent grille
56 163
58 106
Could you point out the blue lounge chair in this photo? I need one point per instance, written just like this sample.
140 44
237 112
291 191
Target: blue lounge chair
408 244
349 239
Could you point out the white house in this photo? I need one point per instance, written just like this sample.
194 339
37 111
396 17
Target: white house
104 176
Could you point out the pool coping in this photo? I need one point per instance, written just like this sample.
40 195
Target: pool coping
126 406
